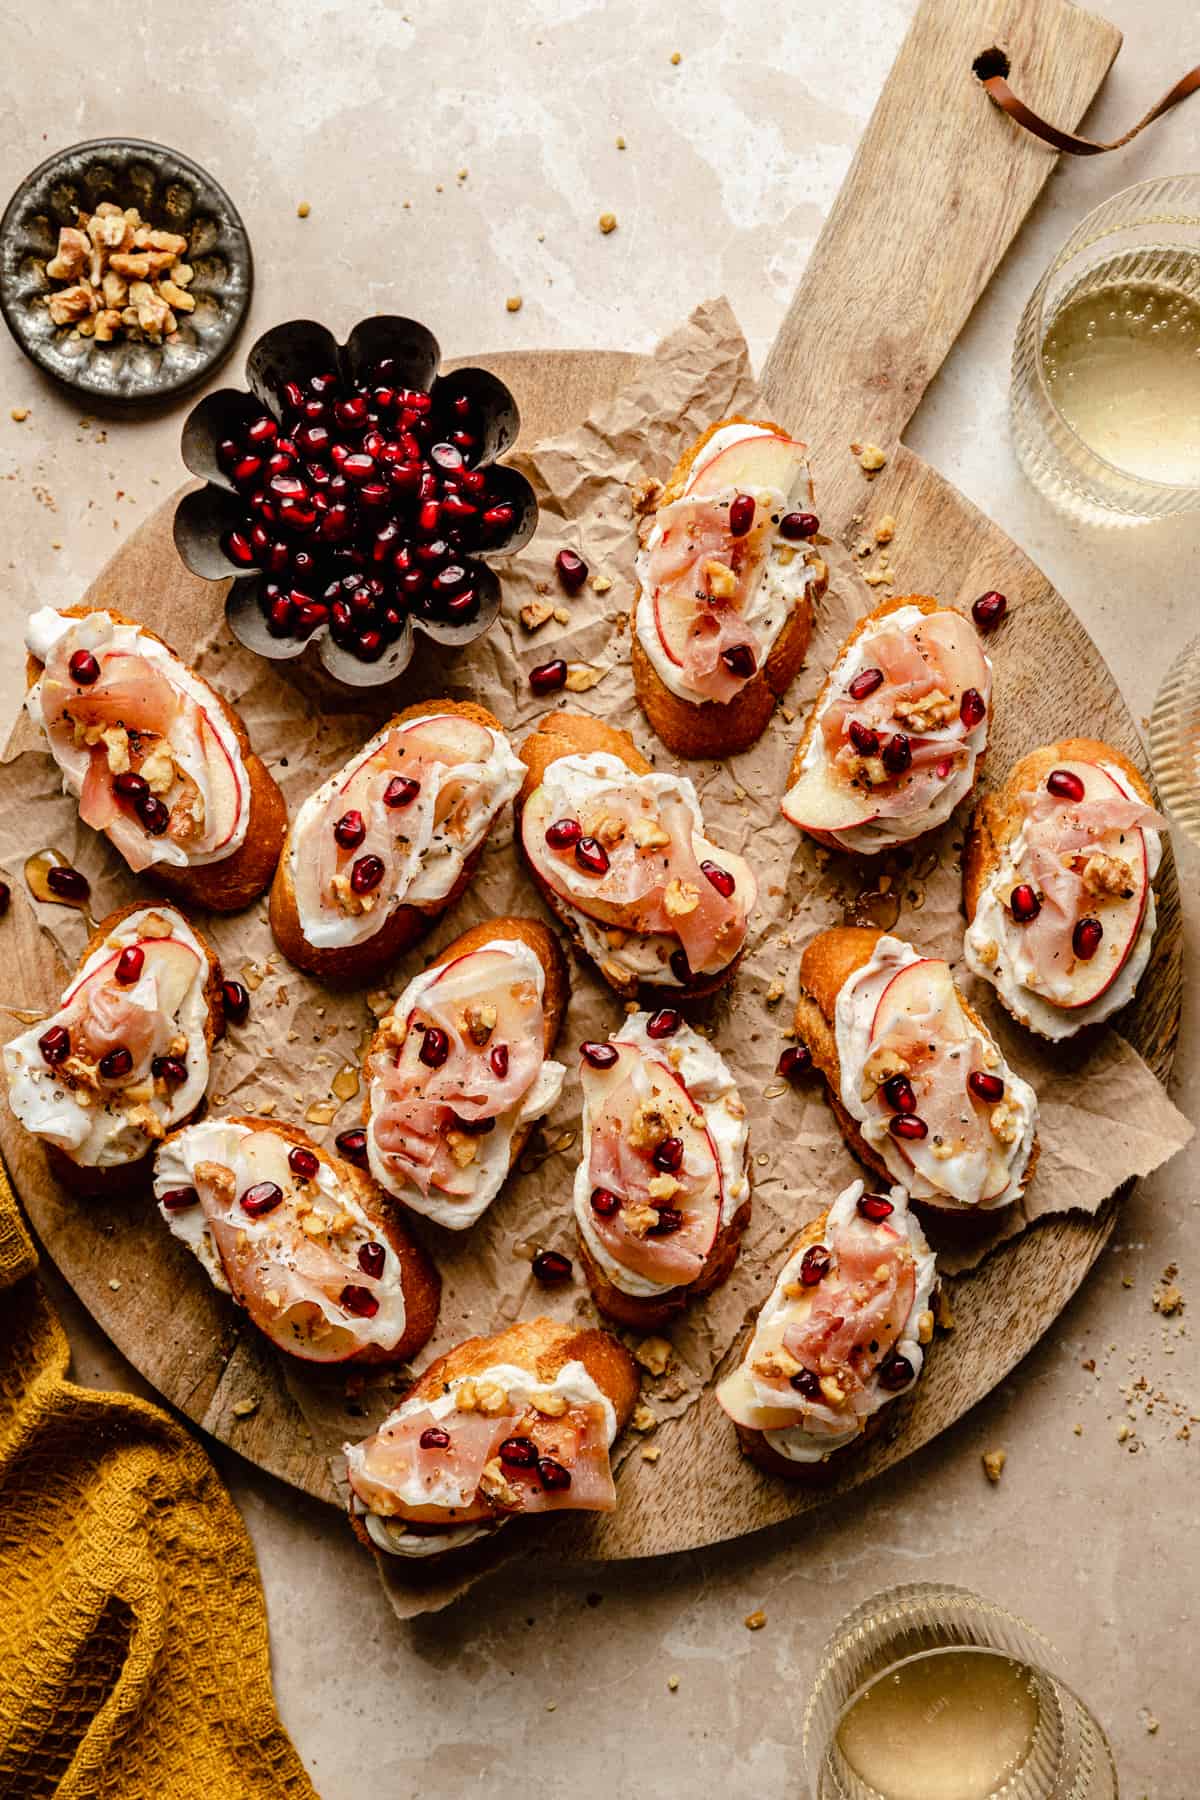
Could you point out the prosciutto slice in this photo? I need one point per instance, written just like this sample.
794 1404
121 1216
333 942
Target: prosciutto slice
858 1311
103 1014
701 579
666 1222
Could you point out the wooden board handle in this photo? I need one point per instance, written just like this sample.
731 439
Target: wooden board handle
937 191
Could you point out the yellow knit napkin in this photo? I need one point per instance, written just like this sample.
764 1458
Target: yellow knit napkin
134 1662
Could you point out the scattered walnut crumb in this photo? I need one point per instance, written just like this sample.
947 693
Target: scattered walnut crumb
993 1464
676 58
774 993
878 578
1124 1432
1167 1300
885 529
1078 1430
582 676
673 1683
115 1286
871 459
303 210
19 414
754 1621
943 1311
644 1417
644 497
514 303
243 1408
535 613
620 143
650 1453
601 584
562 616
1151 1724
654 1354
607 222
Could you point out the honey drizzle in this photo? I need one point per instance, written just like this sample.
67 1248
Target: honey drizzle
38 867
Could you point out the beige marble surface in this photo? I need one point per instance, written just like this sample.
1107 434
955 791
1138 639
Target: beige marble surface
734 157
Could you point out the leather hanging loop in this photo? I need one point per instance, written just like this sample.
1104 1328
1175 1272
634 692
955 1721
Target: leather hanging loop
1002 95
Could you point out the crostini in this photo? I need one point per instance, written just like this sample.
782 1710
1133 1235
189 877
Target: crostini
125 1056
619 854
459 1071
160 763
387 844
727 579
521 1422
662 1191
895 739
917 1083
300 1238
840 1336
1057 884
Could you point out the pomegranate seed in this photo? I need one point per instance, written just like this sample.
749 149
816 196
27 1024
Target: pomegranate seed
669 1220
664 1023
571 569
246 468
279 618
152 813
548 677
499 1061
83 668
799 525
350 830
550 1266
67 883
604 1202
288 487
907 1125
721 878
895 1372
314 440
564 834
518 1453
864 683
292 395
371 1258
130 785
897 754
876 1207
358 467
171 1069
359 1300
237 1001
989 609
668 1156
55 1044
985 1087
740 660
129 965
428 519
352 1145
973 708
262 1198
446 456
435 1047
179 1199
806 1382
498 518
238 549
263 430
367 873
1023 903
434 1438
115 1063
591 856
815 1264
462 604
1085 939
898 1092
865 741
599 1055
680 967
303 1162
741 514
795 1060
401 790
1065 785
553 1475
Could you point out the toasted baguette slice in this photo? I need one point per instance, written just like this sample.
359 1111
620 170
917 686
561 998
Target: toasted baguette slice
998 819
405 925
420 1282
545 946
543 1347
580 734
708 728
236 880
650 1314
827 963
85 1178
926 604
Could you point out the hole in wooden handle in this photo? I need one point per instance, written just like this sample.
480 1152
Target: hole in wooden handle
990 62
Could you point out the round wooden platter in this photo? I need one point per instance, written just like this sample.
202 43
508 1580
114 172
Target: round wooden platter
157 1305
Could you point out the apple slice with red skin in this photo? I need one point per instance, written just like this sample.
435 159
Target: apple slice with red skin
602 1088
753 463
225 789
818 802
925 991
1121 919
172 962
738 1399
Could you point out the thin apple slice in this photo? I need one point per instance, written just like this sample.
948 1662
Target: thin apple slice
225 788
751 463
738 1398
923 992
821 802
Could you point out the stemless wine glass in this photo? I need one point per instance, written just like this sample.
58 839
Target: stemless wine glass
1175 741
1145 240
925 1678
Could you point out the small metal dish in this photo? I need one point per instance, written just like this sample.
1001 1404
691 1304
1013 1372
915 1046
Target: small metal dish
296 352
171 192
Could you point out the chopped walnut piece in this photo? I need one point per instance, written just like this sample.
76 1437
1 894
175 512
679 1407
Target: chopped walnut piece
925 1327
495 1484
754 1621
1005 1122
885 530
871 459
243 1408
879 1067
680 898
648 834
480 1017
1103 874
582 676
116 748
490 1399
651 1453
776 1363
550 1402
993 1464
609 829
1168 1300
719 579
664 1187
644 497
928 713
176 298
535 613
833 1390
639 1218
653 1120
72 303
644 1418
654 1354
463 1148
73 252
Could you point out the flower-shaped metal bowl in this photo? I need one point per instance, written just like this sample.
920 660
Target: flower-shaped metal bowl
171 192
297 353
